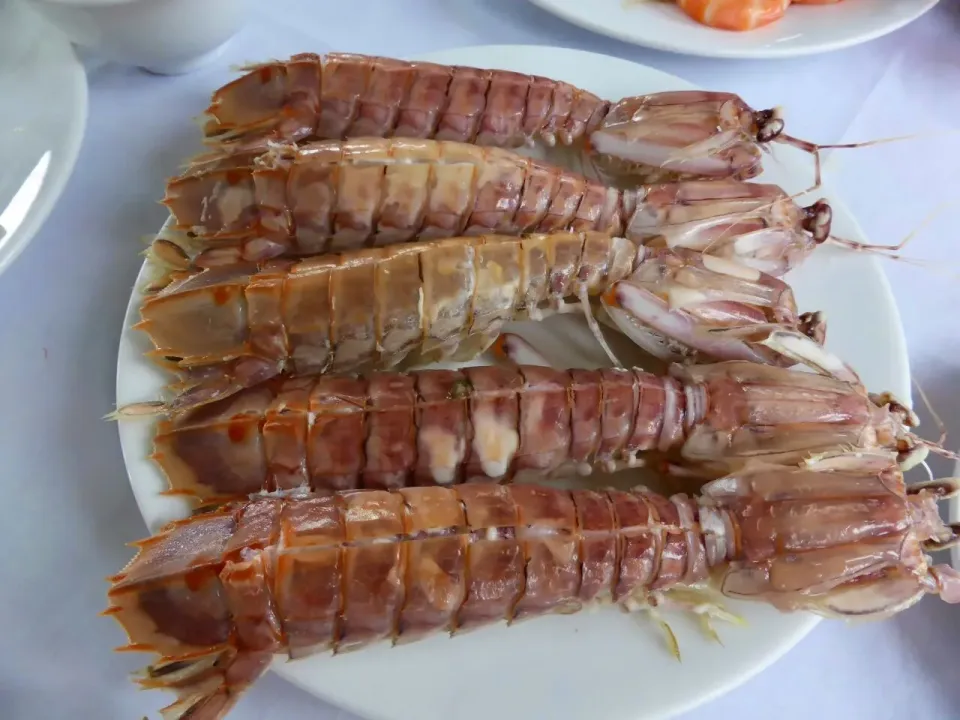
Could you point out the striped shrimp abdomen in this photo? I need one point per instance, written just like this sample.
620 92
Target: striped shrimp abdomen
342 95
341 195
431 427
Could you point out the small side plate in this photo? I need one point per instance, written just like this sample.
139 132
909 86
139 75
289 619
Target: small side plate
804 29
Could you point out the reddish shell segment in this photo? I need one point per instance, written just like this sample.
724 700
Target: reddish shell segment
390 430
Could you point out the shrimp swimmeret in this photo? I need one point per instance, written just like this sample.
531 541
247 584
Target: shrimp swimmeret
735 14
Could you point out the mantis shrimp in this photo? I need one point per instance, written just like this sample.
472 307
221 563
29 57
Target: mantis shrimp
217 595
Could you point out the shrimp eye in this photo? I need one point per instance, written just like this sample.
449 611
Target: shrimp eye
769 125
817 219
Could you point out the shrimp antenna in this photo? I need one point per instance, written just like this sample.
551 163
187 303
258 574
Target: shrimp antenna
820 229
811 147
893 251
936 447
815 148
933 413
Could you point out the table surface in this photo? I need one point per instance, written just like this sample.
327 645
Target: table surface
70 512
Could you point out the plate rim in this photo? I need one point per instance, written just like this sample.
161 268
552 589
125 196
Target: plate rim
759 53
807 621
55 42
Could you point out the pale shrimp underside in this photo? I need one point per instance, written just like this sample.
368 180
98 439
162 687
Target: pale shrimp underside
230 327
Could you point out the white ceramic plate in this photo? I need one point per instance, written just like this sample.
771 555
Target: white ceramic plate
804 30
596 666
44 99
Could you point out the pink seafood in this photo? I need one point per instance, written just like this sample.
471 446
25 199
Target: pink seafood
660 136
741 15
738 15
334 195
444 427
216 596
230 327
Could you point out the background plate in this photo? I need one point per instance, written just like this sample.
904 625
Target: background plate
39 138
804 30
602 665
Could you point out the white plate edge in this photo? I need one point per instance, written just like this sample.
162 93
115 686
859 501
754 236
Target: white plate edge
760 53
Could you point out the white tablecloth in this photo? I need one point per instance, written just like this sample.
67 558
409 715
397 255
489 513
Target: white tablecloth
69 511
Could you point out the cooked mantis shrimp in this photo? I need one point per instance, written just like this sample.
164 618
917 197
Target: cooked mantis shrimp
656 137
218 595
445 427
401 306
332 196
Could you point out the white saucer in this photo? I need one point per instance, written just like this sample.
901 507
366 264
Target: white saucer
43 88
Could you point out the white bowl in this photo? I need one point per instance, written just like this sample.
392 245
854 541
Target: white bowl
162 36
